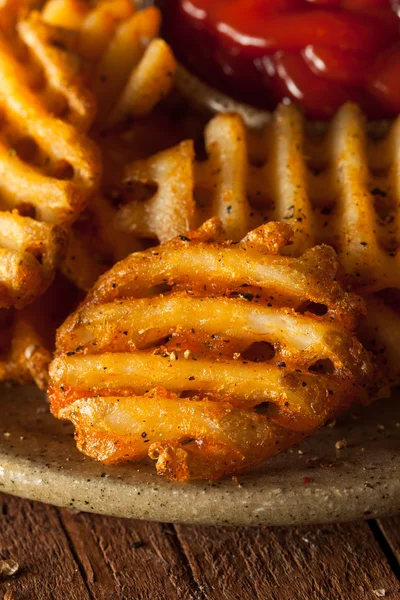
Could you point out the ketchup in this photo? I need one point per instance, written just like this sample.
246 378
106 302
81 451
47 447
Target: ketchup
317 53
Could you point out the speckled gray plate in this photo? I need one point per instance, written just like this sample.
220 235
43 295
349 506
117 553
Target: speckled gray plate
38 460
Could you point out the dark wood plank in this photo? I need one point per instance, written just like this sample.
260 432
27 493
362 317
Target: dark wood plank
124 560
31 534
390 528
65 555
329 562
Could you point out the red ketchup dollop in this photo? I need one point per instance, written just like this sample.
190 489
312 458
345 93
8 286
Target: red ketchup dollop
317 53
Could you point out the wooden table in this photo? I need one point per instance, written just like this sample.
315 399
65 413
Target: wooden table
64 555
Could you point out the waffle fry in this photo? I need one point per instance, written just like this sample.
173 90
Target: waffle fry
338 187
205 356
171 210
48 166
129 68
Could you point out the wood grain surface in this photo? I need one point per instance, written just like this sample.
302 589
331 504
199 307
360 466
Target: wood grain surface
77 556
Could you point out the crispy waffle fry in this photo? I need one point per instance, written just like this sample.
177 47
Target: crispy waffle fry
205 356
339 187
48 166
171 210
130 69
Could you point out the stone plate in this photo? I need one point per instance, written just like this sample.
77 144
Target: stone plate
314 482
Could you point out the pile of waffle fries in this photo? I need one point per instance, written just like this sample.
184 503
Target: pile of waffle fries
242 285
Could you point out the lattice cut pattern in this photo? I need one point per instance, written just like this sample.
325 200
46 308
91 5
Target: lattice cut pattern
339 187
48 167
209 356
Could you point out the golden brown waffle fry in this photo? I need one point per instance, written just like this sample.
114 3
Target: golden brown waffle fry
27 336
48 167
171 209
339 187
205 355
130 69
